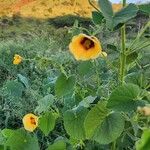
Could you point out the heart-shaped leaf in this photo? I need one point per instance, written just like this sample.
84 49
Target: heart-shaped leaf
114 20
125 14
64 85
110 129
47 122
74 122
21 140
94 118
125 98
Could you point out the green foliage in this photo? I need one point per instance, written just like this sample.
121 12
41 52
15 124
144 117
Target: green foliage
139 78
58 144
110 129
87 101
45 103
47 122
64 85
85 68
131 58
23 80
24 141
125 14
74 122
106 8
103 126
97 17
7 132
120 17
145 8
125 98
94 119
144 142
14 88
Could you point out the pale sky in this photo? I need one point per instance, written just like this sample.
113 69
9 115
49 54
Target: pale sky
131 1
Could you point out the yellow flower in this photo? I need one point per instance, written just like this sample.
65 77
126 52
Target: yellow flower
30 122
17 59
85 47
103 54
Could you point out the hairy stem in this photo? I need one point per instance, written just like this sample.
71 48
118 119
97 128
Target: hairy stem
123 51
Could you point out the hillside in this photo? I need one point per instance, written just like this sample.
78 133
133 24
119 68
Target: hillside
47 8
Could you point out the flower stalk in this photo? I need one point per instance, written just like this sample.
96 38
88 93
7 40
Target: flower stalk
123 51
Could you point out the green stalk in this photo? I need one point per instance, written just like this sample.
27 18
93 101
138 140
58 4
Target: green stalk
113 147
123 51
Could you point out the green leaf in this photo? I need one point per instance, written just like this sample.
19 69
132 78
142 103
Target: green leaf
7 132
131 58
145 8
24 80
124 98
114 19
144 142
138 78
87 101
69 102
45 103
94 118
57 145
125 14
74 122
14 88
64 85
110 129
85 68
47 122
97 17
21 140
107 11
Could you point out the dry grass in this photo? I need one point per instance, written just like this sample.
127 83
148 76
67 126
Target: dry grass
47 8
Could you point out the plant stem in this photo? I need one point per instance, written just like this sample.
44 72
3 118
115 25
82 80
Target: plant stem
5 147
123 51
113 146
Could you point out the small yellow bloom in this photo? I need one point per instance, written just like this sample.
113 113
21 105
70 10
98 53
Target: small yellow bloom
144 110
30 122
85 47
103 54
17 59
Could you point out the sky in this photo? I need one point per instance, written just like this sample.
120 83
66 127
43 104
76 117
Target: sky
131 1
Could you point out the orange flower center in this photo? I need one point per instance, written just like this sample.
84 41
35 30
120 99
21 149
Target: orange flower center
32 121
87 43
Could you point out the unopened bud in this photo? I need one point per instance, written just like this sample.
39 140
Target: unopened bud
103 54
144 110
